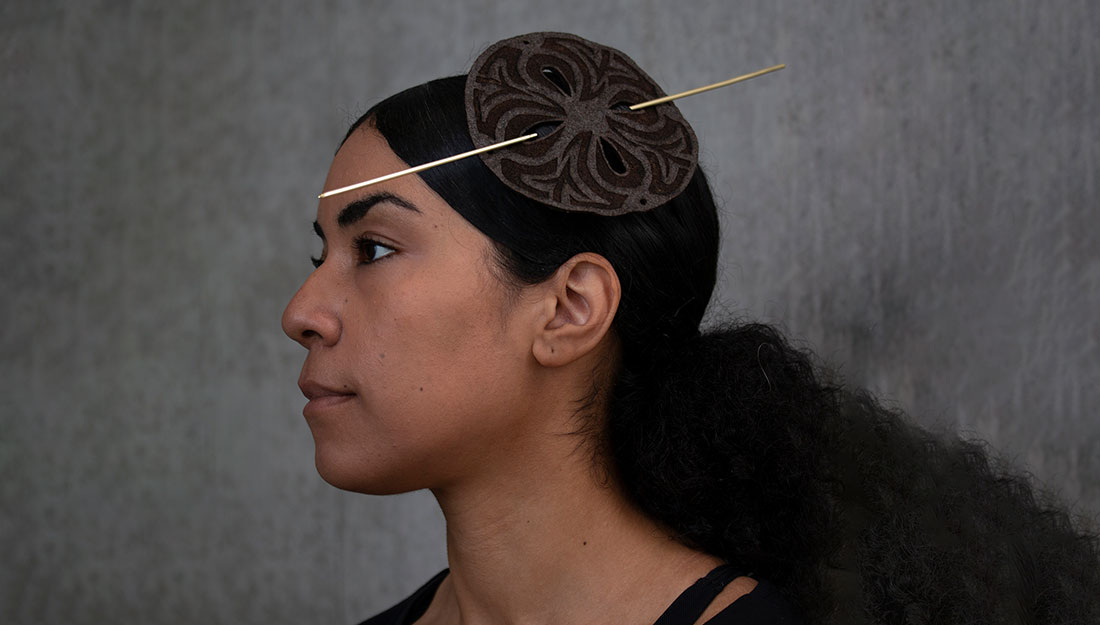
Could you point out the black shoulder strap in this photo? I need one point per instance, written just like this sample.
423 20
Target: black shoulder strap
690 605
413 607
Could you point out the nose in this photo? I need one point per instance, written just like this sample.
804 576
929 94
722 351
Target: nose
311 317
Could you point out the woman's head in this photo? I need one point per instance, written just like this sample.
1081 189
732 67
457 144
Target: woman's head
452 321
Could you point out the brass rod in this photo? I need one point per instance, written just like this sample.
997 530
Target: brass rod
724 83
419 168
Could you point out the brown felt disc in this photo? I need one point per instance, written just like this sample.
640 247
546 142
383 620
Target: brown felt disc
593 153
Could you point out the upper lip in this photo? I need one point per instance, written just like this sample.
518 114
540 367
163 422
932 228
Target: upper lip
313 390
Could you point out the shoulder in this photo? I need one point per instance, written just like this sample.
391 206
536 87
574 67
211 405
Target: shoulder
412 607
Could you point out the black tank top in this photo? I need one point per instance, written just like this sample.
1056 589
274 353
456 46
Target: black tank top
764 605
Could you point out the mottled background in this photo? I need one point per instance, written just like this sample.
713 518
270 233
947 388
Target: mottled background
915 196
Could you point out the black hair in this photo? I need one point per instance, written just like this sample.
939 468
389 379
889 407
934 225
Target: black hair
738 443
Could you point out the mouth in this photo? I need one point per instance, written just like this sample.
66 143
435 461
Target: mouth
321 397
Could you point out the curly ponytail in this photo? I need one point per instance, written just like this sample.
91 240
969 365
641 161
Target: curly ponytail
730 439
858 515
939 531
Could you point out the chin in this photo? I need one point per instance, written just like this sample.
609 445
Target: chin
352 475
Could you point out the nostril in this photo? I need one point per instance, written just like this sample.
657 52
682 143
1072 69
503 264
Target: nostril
314 331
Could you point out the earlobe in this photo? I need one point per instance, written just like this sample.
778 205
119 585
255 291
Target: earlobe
581 302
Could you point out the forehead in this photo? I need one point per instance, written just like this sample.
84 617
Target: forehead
366 155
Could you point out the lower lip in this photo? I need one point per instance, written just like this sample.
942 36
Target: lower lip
320 405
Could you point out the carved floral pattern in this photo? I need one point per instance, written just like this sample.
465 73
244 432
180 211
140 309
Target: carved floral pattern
593 154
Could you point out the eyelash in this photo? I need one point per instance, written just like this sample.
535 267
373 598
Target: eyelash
362 246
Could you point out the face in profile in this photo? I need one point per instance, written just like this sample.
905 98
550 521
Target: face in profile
418 356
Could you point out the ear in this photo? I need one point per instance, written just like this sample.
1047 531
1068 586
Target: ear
580 302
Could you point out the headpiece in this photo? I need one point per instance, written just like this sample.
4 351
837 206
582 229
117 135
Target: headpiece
593 153
585 128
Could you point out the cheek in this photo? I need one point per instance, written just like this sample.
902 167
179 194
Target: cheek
438 345
441 386
458 342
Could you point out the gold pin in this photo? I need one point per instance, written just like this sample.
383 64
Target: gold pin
508 142
724 83
419 168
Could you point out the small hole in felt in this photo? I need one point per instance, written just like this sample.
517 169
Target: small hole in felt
542 129
620 106
614 160
554 76
642 201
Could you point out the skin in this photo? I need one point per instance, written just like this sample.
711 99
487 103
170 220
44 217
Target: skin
424 370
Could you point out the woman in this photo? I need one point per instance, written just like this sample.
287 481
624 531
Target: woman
542 371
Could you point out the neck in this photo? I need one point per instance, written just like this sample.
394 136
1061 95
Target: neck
551 541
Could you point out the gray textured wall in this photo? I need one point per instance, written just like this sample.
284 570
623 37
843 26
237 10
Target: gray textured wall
916 196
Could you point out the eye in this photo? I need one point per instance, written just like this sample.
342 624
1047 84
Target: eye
370 250
316 261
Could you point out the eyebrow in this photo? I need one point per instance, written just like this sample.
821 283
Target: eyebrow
353 212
